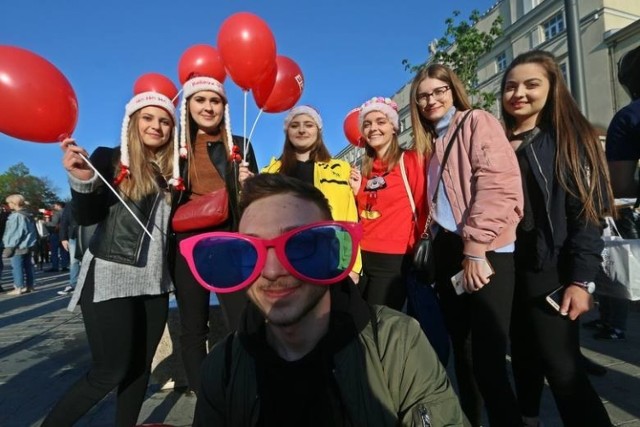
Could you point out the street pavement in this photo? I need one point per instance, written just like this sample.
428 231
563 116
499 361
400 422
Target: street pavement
43 351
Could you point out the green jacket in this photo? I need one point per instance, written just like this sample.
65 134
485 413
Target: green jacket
400 383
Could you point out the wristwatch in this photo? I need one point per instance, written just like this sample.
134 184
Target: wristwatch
587 286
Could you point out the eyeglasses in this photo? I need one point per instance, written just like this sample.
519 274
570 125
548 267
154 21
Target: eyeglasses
422 99
321 253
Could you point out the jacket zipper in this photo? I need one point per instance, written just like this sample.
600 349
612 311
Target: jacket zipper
546 188
424 416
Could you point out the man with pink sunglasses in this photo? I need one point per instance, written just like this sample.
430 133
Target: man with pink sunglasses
309 350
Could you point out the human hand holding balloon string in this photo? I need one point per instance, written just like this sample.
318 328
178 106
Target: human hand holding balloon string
76 161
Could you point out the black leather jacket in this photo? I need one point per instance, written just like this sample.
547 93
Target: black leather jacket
118 237
227 169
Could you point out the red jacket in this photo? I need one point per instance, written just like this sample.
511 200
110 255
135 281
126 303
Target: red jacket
388 224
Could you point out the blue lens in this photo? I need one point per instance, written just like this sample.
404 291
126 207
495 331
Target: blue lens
224 262
320 253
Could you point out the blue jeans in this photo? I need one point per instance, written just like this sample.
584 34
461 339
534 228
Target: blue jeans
74 264
22 267
54 246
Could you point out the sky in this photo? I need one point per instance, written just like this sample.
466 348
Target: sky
348 50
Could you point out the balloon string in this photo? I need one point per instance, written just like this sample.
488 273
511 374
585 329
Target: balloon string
173 100
254 127
244 128
118 196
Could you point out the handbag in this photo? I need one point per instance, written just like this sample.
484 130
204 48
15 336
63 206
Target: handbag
422 251
206 211
619 275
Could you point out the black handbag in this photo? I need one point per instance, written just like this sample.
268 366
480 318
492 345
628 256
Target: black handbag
422 251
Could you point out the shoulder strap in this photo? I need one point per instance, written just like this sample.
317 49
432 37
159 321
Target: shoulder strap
403 171
445 157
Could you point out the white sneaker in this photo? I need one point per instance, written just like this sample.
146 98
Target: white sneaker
66 291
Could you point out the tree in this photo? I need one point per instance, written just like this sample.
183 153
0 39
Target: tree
461 47
38 192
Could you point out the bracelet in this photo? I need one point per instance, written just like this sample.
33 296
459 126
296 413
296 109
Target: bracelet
474 258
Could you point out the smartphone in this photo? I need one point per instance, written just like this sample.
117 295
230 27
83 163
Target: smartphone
555 298
457 279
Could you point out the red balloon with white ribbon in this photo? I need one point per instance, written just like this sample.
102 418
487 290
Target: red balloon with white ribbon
247 48
37 102
286 89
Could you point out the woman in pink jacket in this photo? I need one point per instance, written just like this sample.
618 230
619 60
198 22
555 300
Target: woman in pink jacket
478 203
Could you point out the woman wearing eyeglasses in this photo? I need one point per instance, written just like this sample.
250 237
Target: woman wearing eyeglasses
390 226
305 156
478 203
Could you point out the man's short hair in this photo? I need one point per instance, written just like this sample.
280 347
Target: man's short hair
271 184
628 70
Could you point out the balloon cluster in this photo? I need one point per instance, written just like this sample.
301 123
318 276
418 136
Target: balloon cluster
37 102
247 53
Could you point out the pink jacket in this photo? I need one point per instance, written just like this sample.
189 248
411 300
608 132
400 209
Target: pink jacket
482 182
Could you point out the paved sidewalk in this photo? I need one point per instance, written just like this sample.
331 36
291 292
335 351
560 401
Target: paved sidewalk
43 350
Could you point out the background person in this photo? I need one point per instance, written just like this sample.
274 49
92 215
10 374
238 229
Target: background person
337 360
305 156
59 255
623 153
124 282
18 239
68 238
558 240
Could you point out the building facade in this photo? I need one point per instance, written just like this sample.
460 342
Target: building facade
608 29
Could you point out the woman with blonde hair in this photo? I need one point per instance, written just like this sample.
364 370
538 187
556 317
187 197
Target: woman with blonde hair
390 197
567 194
19 238
124 282
475 198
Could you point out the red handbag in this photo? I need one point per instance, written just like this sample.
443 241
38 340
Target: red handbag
206 211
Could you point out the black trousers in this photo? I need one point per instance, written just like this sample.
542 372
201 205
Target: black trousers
384 279
545 344
478 325
123 335
193 304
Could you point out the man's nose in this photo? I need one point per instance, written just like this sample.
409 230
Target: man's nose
273 268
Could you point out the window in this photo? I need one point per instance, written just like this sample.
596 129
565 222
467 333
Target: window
403 124
528 5
501 61
553 26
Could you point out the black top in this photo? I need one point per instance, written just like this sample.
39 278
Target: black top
304 171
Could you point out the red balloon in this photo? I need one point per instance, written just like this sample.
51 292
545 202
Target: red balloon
286 89
247 47
37 102
203 60
155 82
352 128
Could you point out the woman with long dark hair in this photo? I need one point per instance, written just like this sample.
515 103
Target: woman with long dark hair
567 193
210 161
306 157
